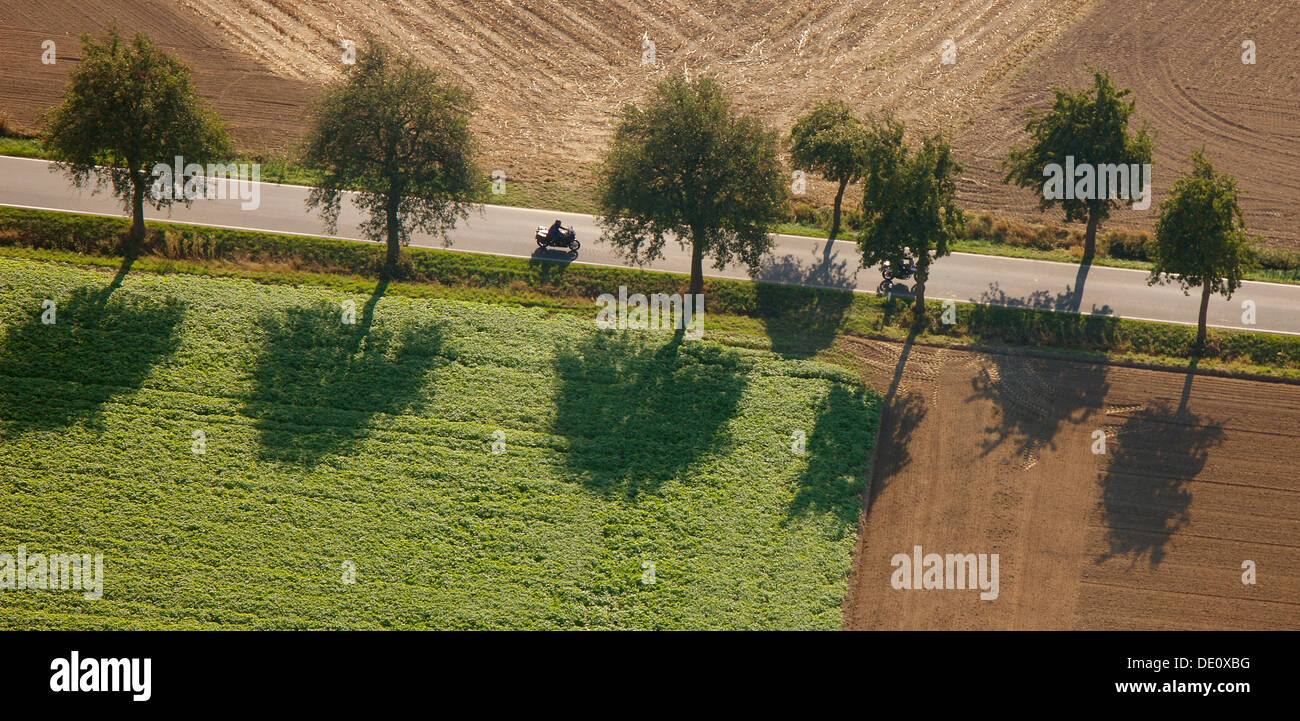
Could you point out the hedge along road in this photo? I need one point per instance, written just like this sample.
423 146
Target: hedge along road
795 260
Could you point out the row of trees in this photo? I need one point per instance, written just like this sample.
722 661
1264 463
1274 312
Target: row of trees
1200 235
688 165
391 132
683 166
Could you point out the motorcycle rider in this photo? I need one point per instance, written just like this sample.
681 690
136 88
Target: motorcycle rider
903 272
556 233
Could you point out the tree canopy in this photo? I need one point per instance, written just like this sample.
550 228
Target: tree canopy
1200 238
396 134
1084 129
909 208
687 166
127 107
830 141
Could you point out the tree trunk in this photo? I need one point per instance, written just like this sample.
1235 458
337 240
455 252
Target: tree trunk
1090 236
394 236
922 275
1200 325
136 238
835 218
697 264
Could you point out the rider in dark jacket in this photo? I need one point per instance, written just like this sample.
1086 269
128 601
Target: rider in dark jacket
555 234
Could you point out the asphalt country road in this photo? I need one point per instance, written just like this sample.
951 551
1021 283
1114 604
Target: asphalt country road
796 260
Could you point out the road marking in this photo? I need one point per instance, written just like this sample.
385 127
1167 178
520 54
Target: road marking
670 272
821 242
988 258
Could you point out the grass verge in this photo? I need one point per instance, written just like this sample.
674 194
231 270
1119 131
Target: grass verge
789 320
986 235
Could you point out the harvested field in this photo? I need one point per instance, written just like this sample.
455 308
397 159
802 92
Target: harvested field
993 453
1183 61
264 110
550 76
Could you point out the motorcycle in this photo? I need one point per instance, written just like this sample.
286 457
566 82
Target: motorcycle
891 272
565 238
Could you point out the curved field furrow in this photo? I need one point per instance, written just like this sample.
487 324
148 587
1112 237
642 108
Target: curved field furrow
550 76
1183 61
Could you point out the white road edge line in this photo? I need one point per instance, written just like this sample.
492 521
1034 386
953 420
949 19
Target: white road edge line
629 267
592 218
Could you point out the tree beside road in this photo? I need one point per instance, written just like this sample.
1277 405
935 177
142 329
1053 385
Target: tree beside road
397 135
686 165
831 141
127 107
909 209
1086 130
1200 238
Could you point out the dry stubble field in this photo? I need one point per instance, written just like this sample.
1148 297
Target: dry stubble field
550 76
992 453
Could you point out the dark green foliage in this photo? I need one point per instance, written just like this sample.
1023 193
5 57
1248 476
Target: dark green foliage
101 347
398 135
319 382
909 208
688 167
1201 236
832 142
128 107
1091 126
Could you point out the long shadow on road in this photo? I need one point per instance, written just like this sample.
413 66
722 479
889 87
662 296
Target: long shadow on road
1069 300
800 322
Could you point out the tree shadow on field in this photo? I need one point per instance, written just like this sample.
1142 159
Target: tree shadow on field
901 414
1035 399
102 344
638 411
800 321
900 418
1144 500
838 452
318 381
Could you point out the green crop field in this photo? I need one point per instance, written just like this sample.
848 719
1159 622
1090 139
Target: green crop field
331 449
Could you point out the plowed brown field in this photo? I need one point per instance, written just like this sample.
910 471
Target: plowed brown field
264 110
993 453
982 453
1183 61
550 75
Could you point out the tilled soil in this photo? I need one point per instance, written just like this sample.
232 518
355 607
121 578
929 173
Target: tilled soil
990 453
265 111
550 77
1183 61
